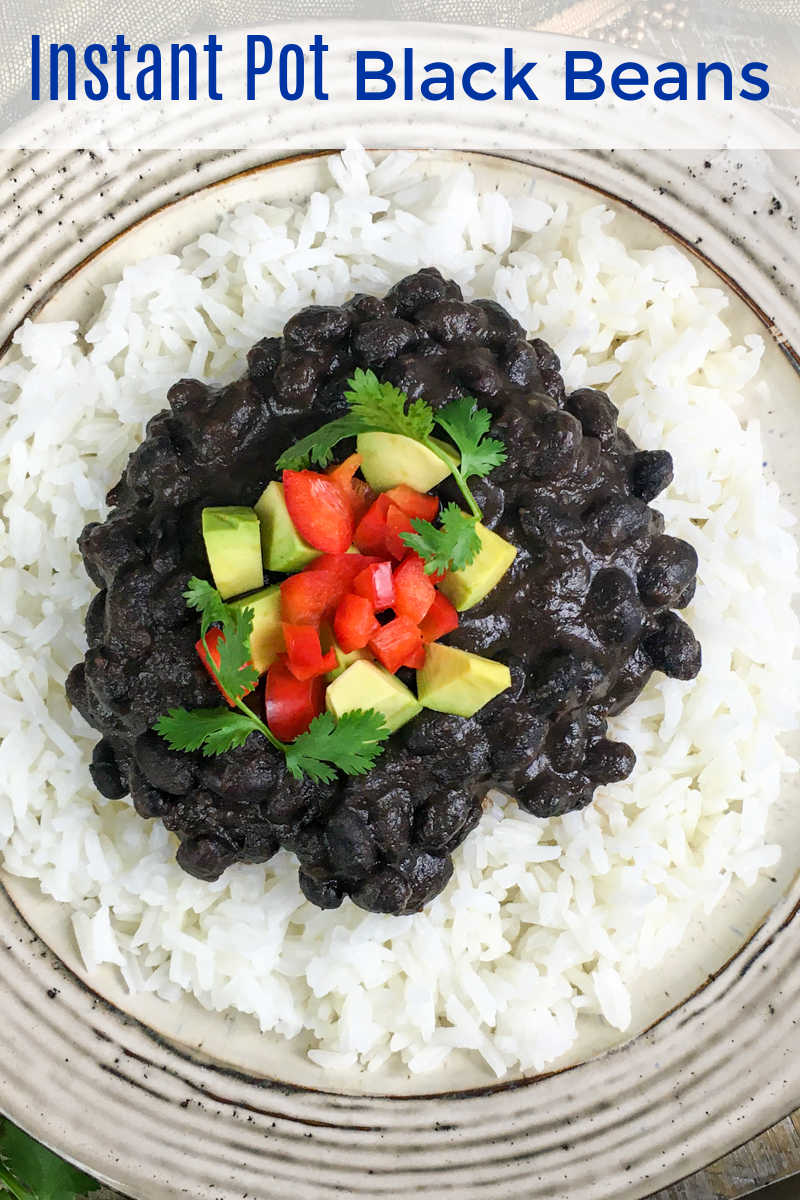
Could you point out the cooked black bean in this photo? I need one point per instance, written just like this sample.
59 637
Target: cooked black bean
377 341
325 893
650 473
582 617
105 772
616 521
612 607
673 648
608 762
443 823
205 857
596 413
667 571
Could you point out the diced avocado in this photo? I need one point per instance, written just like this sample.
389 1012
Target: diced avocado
389 459
233 546
281 544
366 685
266 640
455 681
466 587
344 660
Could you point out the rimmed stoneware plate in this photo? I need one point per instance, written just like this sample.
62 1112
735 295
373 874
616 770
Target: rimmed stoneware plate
167 1100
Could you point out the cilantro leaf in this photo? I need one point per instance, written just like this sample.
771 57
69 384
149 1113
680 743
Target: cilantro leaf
352 744
382 406
451 547
29 1171
468 425
236 672
214 730
207 600
318 447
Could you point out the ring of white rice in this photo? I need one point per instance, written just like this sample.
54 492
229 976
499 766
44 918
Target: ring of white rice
544 920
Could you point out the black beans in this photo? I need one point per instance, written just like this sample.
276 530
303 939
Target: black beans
596 413
673 648
377 341
205 857
616 521
582 617
444 822
105 772
667 572
315 327
609 762
612 608
650 473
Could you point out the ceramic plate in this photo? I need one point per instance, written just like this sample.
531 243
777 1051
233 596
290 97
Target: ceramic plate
164 1100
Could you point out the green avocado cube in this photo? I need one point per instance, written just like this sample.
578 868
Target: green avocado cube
281 545
468 586
344 660
233 545
389 459
455 681
266 640
366 685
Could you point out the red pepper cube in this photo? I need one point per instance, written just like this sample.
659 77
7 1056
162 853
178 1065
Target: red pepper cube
441 618
357 492
397 522
311 596
213 637
291 704
395 642
416 659
370 534
304 652
319 511
414 590
377 584
413 503
344 566
355 622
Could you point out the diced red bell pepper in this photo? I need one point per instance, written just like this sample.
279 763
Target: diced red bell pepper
291 704
370 534
413 503
345 566
318 510
357 492
397 522
416 659
413 589
395 643
304 652
213 636
441 618
311 596
355 622
377 584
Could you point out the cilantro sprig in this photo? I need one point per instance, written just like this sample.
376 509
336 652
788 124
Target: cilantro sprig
452 546
350 745
29 1171
377 407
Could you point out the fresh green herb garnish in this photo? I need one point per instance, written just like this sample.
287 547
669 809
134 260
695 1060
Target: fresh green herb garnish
377 407
468 426
29 1171
451 546
350 745
212 730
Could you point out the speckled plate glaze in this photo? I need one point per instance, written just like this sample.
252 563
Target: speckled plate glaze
166 1100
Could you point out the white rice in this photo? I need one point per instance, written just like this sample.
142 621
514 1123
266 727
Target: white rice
544 920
